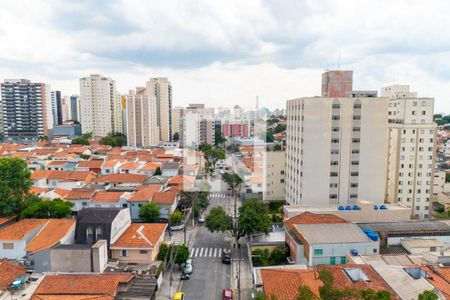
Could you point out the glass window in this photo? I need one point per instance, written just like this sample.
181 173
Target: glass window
318 251
343 260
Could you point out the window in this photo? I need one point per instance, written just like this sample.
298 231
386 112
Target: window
336 106
356 105
98 233
124 253
8 246
89 235
334 141
143 251
343 260
318 251
333 196
334 163
356 117
332 260
335 118
333 174
356 129
355 140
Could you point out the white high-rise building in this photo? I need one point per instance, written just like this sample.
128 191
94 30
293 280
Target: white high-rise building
161 89
99 105
142 128
336 150
412 135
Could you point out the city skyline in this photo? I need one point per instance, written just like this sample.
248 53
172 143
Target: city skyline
228 53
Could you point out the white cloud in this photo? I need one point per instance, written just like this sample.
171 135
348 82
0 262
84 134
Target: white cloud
229 51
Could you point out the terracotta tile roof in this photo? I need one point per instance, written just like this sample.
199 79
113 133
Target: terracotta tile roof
41 174
145 194
68 285
22 155
151 166
181 179
311 218
18 230
130 166
80 195
90 164
164 198
62 192
122 178
50 235
37 190
109 164
70 175
140 236
107 197
57 163
72 297
147 158
283 284
440 279
4 220
8 272
65 155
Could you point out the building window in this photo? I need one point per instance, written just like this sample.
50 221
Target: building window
98 233
356 117
318 251
143 251
343 260
124 253
89 235
8 246
333 174
333 196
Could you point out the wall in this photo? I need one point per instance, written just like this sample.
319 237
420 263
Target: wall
70 260
340 250
99 256
120 224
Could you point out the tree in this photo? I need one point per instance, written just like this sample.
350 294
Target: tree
15 183
176 137
182 254
370 294
305 293
114 139
149 213
268 137
176 217
277 147
218 136
218 220
212 154
280 128
80 140
447 177
163 251
158 171
253 218
428 295
56 209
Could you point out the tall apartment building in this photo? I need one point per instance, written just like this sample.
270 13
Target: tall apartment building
57 110
337 83
241 129
176 119
161 89
197 126
142 128
336 150
26 109
412 135
274 177
100 109
74 108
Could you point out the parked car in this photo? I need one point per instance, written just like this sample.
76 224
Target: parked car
228 294
201 218
188 268
226 256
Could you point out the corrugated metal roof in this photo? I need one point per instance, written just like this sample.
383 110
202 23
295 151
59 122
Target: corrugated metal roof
332 233
408 226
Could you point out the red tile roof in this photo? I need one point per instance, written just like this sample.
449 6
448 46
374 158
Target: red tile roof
70 175
41 174
18 230
165 198
62 192
80 195
440 279
145 194
130 166
97 164
8 272
151 166
4 220
68 285
122 178
50 235
107 197
311 218
140 236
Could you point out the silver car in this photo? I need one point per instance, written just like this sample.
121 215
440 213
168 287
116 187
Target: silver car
188 267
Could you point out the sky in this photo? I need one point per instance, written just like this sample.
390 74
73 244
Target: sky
223 53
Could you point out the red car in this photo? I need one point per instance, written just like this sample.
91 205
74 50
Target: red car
228 294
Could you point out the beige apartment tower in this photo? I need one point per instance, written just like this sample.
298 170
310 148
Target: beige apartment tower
161 89
336 150
99 106
412 136
142 128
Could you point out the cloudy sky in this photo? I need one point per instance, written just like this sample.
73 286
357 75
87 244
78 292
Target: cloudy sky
228 52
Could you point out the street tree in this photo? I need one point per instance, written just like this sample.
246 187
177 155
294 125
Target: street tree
181 253
114 139
253 218
149 213
176 217
212 154
43 209
428 295
218 220
15 182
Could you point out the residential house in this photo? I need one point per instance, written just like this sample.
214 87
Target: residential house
80 198
9 271
90 165
167 201
40 178
107 199
55 232
315 239
70 179
122 179
110 167
182 182
139 243
141 197
56 165
150 168
170 169
95 224
55 193
130 168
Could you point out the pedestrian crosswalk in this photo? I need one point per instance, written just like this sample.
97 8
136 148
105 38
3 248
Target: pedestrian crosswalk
205 252
220 195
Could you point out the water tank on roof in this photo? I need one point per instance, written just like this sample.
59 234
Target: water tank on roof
356 207
348 207
354 252
375 207
341 207
383 207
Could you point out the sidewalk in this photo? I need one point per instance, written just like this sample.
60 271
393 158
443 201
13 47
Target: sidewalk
165 292
242 273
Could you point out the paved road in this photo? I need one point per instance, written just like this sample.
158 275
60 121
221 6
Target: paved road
210 276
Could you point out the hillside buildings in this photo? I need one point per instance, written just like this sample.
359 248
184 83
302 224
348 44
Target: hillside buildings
26 109
412 135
